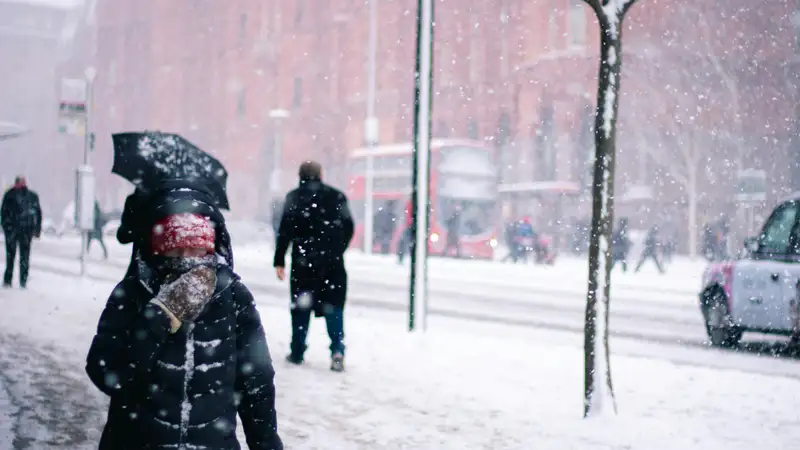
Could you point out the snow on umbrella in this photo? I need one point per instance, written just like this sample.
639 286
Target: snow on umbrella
148 158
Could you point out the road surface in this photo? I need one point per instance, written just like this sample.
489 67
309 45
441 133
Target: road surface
650 315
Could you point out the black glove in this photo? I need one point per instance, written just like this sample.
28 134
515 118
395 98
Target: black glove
186 297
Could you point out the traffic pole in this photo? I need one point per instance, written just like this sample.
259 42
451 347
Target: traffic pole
421 171
88 143
371 130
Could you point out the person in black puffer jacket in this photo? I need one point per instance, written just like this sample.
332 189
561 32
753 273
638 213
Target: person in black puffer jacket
180 348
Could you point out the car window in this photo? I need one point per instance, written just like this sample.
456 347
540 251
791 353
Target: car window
778 229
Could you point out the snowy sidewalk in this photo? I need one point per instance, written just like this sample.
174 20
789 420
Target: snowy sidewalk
460 386
7 413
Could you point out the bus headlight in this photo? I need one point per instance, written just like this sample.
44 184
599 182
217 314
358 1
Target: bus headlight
434 237
493 243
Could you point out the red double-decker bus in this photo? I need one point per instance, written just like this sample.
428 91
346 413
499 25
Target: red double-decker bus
463 174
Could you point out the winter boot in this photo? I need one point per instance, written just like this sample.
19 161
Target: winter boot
294 359
337 362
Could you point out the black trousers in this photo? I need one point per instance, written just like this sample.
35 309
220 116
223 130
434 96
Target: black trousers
96 236
452 244
14 240
651 255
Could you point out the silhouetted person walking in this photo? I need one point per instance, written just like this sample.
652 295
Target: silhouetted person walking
97 233
22 221
317 223
650 251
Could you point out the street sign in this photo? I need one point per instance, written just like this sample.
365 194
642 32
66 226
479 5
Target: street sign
72 106
84 198
751 186
371 131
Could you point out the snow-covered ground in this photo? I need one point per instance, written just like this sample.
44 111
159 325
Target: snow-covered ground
462 385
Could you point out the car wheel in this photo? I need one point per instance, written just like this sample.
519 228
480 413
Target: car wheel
719 324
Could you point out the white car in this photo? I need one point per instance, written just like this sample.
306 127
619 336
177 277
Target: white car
759 291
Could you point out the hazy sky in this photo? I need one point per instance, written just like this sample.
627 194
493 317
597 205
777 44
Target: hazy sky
55 3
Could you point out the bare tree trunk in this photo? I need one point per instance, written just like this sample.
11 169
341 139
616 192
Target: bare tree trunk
597 364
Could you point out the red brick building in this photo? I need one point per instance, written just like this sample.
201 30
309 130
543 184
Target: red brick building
520 74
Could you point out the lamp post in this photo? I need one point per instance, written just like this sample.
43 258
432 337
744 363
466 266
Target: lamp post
371 128
84 203
91 74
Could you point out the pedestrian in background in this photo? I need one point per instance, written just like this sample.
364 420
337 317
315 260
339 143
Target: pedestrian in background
97 233
620 245
21 217
405 239
317 223
651 250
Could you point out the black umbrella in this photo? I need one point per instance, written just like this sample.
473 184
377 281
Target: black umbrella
149 158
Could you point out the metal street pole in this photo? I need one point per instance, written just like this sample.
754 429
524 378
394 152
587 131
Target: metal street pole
91 73
278 115
371 129
421 170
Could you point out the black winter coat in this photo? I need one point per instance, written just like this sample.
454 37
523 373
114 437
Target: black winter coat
21 212
317 223
184 390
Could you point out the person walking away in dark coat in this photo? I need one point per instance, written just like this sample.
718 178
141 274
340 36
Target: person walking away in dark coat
510 235
21 217
526 238
405 240
384 227
318 225
620 245
180 349
453 226
669 242
97 233
651 245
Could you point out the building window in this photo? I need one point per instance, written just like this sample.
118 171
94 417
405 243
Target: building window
503 133
472 129
552 30
112 72
543 141
577 23
442 129
475 49
241 103
502 139
584 148
298 12
297 92
242 28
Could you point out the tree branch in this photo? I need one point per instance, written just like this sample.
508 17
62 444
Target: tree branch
596 6
627 5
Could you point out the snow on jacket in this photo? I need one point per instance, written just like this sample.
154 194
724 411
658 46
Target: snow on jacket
184 390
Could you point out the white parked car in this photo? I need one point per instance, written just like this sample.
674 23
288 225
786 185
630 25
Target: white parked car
759 291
